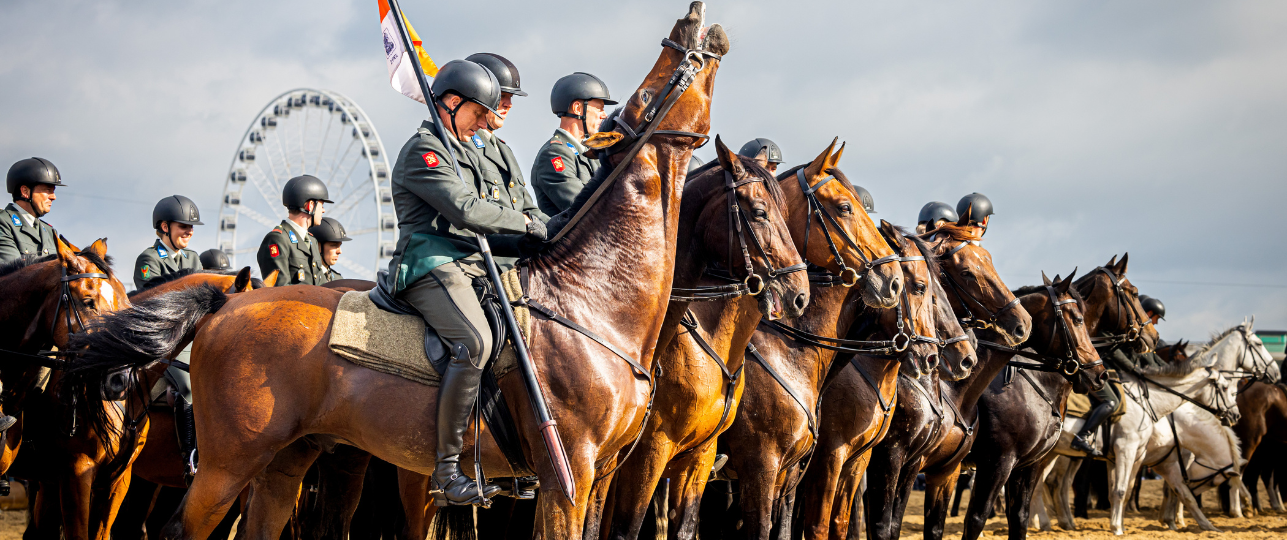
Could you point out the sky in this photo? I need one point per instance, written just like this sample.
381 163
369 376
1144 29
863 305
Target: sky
1157 128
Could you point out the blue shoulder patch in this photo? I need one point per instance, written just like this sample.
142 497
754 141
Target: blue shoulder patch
161 252
478 141
17 222
573 147
293 238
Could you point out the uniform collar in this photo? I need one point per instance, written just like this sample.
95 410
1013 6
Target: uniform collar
173 251
27 219
568 138
299 231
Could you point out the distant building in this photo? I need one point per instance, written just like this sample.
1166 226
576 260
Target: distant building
1275 341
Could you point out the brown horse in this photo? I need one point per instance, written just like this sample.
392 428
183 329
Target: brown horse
855 413
697 392
935 436
49 299
265 379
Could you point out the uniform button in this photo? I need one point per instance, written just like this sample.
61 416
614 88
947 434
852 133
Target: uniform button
515 201
511 184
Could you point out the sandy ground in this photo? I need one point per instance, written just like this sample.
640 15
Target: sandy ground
1142 525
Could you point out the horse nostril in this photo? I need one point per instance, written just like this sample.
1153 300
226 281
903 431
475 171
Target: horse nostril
1104 376
932 361
801 300
1018 331
895 286
968 362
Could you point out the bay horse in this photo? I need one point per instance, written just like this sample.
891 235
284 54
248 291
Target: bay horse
1021 412
855 415
701 377
268 387
935 437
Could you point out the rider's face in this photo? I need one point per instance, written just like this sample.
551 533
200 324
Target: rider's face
42 198
331 252
180 234
594 115
1153 317
497 120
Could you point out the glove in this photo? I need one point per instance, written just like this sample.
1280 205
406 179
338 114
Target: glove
536 230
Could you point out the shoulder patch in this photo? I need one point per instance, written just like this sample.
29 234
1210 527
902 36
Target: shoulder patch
431 159
557 162
147 272
274 251
293 239
17 222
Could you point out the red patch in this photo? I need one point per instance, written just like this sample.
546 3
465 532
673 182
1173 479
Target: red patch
558 163
272 250
431 159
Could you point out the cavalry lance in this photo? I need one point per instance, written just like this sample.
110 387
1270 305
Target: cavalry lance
548 426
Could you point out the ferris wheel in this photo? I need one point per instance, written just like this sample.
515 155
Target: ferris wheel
324 134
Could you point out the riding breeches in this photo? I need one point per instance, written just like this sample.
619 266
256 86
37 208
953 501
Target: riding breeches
1105 395
446 300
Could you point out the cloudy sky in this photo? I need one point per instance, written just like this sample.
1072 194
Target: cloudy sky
1097 128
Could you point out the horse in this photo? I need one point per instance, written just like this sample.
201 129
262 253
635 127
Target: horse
1207 451
1019 420
849 422
702 377
268 389
930 437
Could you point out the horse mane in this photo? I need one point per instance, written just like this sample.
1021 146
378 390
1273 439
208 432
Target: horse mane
955 232
1215 338
1178 368
256 283
1085 278
103 263
23 262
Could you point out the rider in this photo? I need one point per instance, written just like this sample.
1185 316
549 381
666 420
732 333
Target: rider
437 256
695 163
331 235
504 179
288 248
561 168
173 219
1154 308
764 149
977 209
31 182
215 259
934 214
868 202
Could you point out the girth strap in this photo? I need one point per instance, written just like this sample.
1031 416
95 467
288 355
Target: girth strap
689 321
548 313
808 411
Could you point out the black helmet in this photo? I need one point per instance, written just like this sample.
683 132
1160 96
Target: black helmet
577 87
329 230
935 211
215 259
505 72
974 207
471 81
694 162
755 146
176 208
32 171
301 189
1154 305
868 202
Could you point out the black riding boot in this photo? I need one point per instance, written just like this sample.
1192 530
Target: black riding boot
1096 417
456 398
185 426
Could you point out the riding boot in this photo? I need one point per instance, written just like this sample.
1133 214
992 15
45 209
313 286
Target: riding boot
456 398
185 426
6 422
1096 417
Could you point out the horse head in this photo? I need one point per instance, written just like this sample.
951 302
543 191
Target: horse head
979 291
1060 327
1113 306
829 223
87 288
959 346
741 221
912 319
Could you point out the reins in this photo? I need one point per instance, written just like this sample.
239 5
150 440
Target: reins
970 320
1068 364
848 276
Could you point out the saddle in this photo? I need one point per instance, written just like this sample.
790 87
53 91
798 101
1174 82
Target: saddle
1079 405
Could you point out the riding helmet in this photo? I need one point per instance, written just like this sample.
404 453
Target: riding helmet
755 146
1153 305
215 259
301 189
505 72
32 171
694 162
578 86
974 207
868 202
935 211
176 208
329 230
471 81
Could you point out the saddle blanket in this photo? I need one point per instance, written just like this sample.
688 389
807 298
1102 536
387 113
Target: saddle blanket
391 343
1079 405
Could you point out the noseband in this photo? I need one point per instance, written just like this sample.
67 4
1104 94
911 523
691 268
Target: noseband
970 320
1068 364
848 276
1134 328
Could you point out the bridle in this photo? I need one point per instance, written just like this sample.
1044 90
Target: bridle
848 276
740 226
1068 363
72 304
1134 328
1259 364
970 320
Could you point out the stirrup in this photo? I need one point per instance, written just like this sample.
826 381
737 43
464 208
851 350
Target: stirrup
720 460
1079 443
481 493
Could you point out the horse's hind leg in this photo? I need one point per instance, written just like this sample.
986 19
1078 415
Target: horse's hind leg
213 492
340 476
413 489
1018 498
274 492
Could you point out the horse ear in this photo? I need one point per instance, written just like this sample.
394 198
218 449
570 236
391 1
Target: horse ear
66 252
1063 286
1121 265
1045 279
819 163
728 159
835 158
1111 262
892 236
1071 275
964 218
242 283
99 247
271 279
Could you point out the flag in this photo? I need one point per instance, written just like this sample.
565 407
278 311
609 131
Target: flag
401 72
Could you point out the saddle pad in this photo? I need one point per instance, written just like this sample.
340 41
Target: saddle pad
1079 405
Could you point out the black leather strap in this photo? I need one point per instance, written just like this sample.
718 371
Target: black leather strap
548 313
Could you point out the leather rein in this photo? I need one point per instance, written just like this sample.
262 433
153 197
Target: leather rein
1068 364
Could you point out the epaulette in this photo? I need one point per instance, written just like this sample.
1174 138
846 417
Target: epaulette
276 230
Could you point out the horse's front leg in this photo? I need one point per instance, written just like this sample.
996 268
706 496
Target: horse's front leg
1018 493
75 496
1170 470
938 495
689 474
1120 475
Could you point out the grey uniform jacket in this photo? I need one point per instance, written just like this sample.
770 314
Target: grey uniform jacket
158 261
560 171
504 177
17 239
297 257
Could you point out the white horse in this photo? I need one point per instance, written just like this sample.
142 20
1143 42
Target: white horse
1193 441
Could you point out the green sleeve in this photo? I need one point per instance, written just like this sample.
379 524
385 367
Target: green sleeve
268 263
442 189
8 245
560 187
145 269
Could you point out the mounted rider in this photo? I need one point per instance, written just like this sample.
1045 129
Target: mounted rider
173 219
868 202
934 214
504 179
31 182
215 259
288 248
561 168
437 257
976 208
330 233
764 150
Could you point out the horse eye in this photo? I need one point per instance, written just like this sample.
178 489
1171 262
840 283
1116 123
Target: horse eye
846 209
967 274
761 214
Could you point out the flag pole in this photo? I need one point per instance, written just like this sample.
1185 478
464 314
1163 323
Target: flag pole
546 424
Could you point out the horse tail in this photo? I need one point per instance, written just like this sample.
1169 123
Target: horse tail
453 522
145 332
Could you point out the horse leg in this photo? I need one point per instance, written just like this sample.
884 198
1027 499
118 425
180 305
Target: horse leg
850 480
558 517
1170 470
906 481
1119 479
134 510
1018 494
275 491
1271 487
632 488
105 509
689 474
885 467
758 485
46 513
989 478
75 495
960 492
213 492
1066 520
414 490
340 475
1043 492
818 488
938 492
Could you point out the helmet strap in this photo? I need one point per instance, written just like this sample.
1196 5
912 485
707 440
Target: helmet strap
27 199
